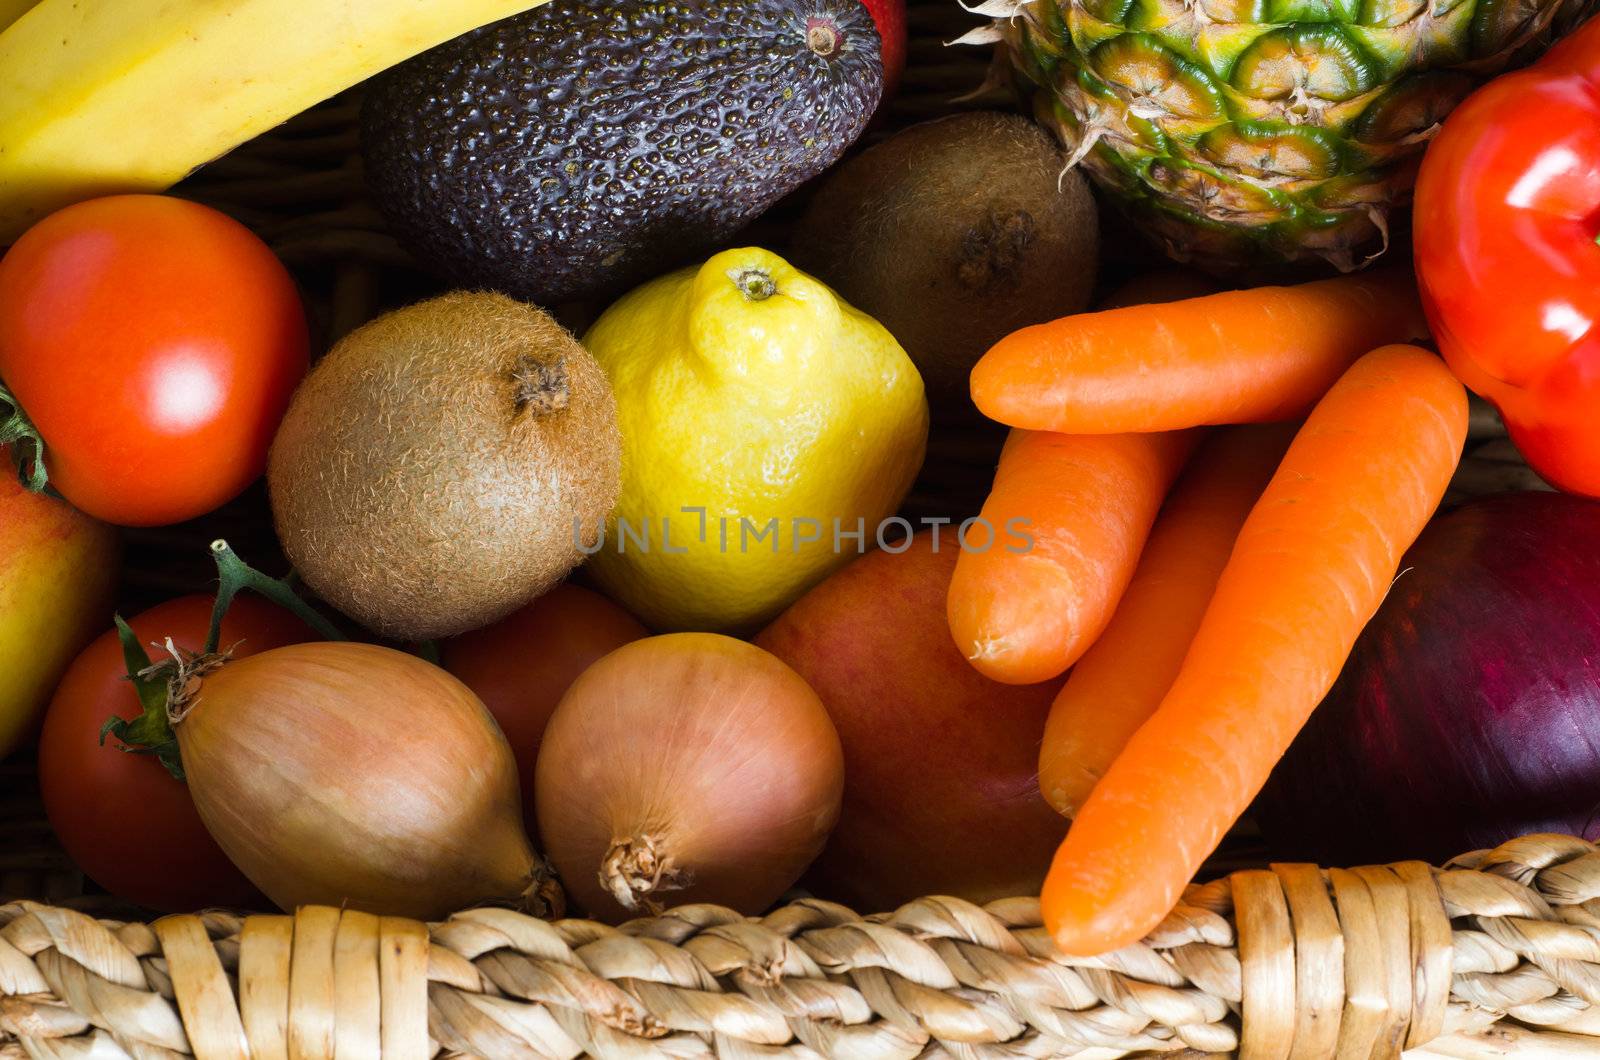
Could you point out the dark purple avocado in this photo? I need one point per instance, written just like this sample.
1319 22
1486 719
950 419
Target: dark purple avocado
587 145
1469 711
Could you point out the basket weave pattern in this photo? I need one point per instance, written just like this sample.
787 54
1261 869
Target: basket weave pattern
1365 963
1497 954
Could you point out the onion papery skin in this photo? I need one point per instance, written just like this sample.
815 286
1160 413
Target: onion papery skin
697 755
523 664
354 775
1469 711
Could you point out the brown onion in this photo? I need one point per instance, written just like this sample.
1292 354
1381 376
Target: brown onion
523 664
690 767
355 775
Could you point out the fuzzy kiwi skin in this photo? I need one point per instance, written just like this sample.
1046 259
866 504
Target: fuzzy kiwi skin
427 476
953 234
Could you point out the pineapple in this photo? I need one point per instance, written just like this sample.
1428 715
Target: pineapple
1243 132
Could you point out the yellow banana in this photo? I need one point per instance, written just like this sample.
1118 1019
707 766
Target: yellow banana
104 96
11 10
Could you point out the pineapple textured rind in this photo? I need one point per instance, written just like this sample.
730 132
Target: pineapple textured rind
1243 133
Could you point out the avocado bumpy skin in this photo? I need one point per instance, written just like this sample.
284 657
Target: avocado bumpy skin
587 145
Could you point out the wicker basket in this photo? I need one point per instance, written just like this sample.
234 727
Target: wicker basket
1495 955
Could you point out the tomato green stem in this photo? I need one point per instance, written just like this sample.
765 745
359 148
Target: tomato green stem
157 685
150 733
27 447
234 574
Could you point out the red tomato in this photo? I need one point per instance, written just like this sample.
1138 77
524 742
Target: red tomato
1507 209
122 817
155 344
523 664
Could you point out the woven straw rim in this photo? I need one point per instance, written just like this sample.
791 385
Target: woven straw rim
1496 955
1365 962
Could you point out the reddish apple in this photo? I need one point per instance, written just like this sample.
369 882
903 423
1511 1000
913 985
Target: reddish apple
58 569
523 664
941 784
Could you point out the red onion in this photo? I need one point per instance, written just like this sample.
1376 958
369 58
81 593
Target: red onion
1469 711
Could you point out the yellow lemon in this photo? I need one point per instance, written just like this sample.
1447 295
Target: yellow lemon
768 429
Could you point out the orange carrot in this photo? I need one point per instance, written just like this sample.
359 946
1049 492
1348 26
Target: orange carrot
1160 285
1064 524
1120 680
1237 357
1310 567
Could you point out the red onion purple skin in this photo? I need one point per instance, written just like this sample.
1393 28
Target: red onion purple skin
1469 711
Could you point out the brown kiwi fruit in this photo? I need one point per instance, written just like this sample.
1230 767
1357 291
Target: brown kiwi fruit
953 234
431 470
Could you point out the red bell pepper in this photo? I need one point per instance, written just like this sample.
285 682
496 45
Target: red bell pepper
1507 214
